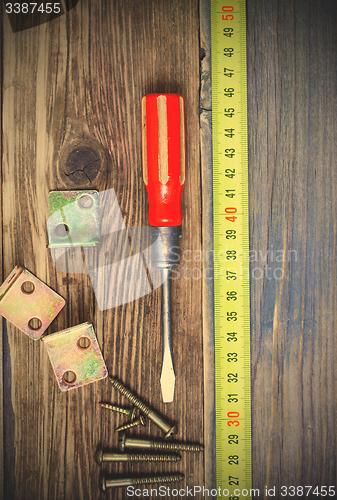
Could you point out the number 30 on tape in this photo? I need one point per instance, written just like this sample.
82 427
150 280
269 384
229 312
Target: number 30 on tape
231 248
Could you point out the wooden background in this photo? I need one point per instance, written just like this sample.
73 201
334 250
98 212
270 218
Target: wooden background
75 84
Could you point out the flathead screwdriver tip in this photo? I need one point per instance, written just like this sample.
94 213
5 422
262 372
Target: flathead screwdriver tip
167 379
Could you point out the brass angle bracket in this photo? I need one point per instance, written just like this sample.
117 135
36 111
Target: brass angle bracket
28 303
73 218
75 356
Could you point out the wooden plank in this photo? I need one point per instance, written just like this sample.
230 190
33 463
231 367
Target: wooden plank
292 157
71 98
66 85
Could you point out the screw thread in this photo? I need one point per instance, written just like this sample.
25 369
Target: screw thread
158 479
114 408
117 483
131 397
138 444
141 420
106 456
127 426
176 446
140 457
130 413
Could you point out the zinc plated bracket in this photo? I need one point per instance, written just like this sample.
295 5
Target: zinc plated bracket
73 218
75 356
28 303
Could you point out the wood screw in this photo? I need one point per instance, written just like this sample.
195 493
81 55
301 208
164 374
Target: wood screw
116 483
130 413
149 444
141 420
151 414
105 456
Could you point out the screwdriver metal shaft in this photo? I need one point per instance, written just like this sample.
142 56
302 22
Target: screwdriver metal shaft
167 377
165 259
164 176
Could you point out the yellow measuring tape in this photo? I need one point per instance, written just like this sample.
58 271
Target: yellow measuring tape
231 249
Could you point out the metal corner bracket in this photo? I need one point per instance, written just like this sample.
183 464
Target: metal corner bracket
75 356
28 303
74 219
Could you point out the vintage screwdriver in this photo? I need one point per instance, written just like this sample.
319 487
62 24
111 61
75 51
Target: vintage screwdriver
163 143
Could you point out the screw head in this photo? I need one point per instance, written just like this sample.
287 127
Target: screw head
142 420
99 456
103 484
133 414
121 443
172 431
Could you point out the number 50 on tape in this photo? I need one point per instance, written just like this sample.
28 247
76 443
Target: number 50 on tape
231 248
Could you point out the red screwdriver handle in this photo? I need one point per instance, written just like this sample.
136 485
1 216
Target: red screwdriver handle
163 140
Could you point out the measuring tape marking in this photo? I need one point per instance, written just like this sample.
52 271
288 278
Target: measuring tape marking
231 240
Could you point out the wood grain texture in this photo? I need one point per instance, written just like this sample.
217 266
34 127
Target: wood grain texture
292 179
77 83
70 88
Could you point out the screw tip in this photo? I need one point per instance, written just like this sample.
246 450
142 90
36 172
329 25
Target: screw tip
121 443
103 484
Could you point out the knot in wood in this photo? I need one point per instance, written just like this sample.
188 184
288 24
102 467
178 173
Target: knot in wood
82 164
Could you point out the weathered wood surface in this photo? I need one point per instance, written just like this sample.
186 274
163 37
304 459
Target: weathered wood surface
78 81
292 77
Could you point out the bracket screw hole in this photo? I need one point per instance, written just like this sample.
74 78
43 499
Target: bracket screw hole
27 287
83 343
85 202
69 377
61 231
34 324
